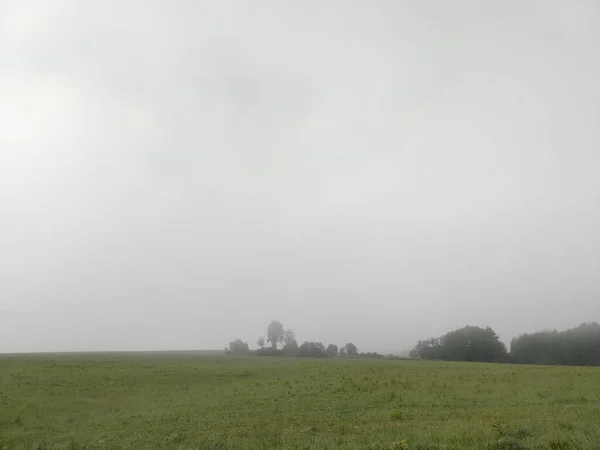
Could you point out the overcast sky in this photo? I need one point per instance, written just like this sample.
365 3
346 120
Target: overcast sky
175 174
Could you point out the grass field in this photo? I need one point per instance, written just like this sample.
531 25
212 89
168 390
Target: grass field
196 402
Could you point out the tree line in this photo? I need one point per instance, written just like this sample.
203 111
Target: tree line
579 346
575 346
282 342
469 343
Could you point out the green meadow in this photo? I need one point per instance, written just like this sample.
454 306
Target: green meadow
187 401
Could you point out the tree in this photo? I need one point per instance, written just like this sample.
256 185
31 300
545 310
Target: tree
350 350
311 350
290 348
469 343
331 350
260 342
288 337
290 345
427 349
576 346
275 333
239 347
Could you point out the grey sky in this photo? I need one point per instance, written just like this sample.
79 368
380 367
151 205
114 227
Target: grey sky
175 174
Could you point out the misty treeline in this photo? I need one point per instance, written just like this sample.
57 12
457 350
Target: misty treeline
282 342
469 343
579 346
576 346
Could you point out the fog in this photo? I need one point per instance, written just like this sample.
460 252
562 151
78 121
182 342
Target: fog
176 174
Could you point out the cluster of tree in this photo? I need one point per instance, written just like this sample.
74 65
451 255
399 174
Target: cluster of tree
469 343
277 336
238 347
579 346
576 346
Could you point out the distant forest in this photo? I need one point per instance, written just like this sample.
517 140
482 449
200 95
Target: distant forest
579 346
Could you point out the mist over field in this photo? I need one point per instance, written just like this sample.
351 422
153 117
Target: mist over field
174 175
